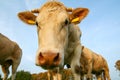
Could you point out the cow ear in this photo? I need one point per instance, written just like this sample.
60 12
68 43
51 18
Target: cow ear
78 14
27 17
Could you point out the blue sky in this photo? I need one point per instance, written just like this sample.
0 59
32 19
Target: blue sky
100 29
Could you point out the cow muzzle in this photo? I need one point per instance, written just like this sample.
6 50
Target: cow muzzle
48 60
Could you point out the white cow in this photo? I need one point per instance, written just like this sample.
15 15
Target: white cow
58 35
10 54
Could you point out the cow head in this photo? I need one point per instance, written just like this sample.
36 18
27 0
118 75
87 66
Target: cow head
53 20
117 65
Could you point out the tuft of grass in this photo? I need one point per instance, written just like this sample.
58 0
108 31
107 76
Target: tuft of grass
25 75
66 75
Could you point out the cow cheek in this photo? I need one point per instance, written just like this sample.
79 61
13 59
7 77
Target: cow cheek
62 58
64 37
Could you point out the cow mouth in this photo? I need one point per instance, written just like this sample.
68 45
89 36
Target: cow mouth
48 66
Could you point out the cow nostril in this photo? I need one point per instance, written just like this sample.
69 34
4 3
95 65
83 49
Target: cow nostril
41 57
56 57
42 60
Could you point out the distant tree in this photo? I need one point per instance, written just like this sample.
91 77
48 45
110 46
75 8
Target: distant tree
0 77
22 75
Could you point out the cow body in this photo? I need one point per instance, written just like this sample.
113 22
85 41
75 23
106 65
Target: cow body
58 35
10 54
92 63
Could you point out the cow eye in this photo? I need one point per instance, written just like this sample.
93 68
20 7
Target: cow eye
66 22
38 26
36 23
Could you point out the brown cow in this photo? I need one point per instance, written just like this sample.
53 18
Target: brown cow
58 35
10 54
92 63
117 65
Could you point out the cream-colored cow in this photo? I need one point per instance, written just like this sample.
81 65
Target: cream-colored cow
10 54
58 35
92 63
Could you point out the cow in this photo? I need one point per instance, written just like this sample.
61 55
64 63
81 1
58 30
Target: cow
93 63
117 65
10 55
58 35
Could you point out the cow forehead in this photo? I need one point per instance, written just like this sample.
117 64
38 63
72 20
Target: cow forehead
52 7
52 10
52 4
52 16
